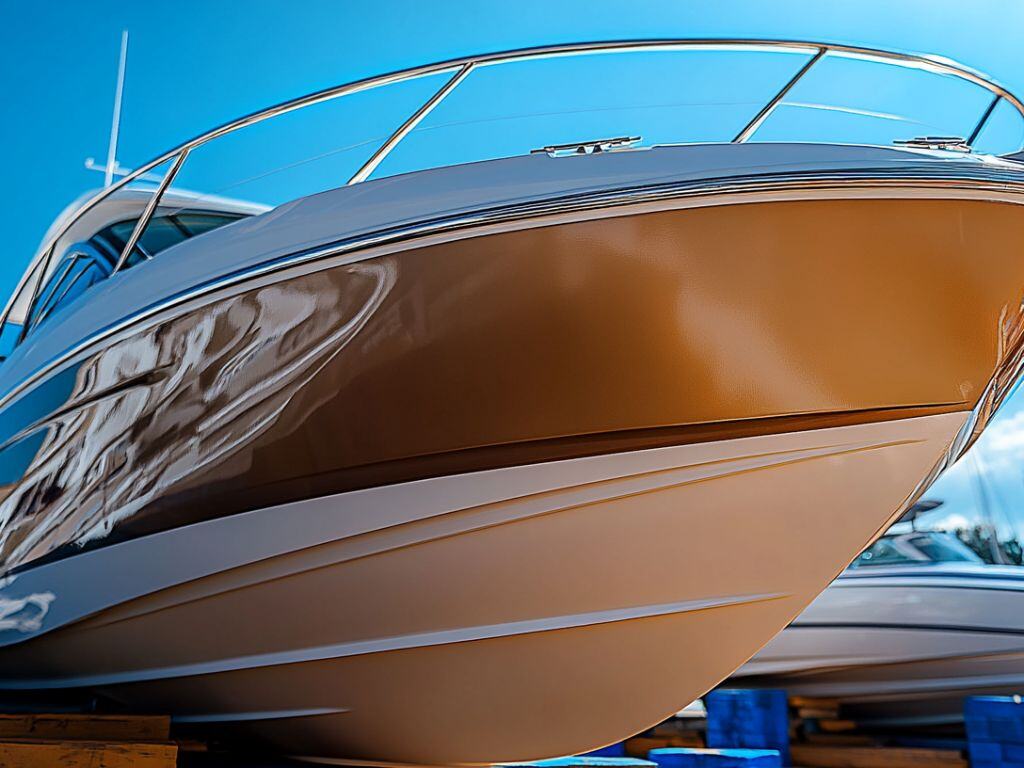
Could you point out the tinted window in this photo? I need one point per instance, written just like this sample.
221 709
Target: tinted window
921 547
882 552
86 264
82 267
163 232
198 223
944 549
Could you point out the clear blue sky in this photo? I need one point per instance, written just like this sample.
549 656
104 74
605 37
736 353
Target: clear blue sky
195 64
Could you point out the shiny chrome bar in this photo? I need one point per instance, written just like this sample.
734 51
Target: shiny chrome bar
984 119
43 266
406 128
934 64
150 209
760 117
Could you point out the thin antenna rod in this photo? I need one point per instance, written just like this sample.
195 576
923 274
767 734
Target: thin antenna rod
986 511
115 124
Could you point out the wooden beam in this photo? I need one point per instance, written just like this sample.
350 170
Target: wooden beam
820 756
33 753
806 701
837 726
86 727
809 713
639 746
841 739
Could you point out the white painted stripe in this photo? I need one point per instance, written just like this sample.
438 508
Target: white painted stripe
280 714
397 643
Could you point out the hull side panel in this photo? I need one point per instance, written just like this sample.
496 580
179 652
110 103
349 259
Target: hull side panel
471 630
597 336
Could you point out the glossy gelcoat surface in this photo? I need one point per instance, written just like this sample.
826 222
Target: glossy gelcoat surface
655 329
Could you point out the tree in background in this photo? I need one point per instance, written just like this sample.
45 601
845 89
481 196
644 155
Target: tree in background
980 539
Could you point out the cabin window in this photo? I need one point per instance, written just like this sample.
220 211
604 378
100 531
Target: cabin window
85 264
81 268
162 232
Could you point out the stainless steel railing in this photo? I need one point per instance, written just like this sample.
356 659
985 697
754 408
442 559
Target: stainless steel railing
460 69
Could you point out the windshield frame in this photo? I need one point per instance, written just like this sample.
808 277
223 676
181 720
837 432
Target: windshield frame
460 69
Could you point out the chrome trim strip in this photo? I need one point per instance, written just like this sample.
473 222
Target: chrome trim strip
984 119
935 64
1009 189
911 574
884 625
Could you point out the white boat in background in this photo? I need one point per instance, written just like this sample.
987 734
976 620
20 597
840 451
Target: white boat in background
916 624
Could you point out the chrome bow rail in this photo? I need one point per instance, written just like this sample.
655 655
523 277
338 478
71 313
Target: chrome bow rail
460 69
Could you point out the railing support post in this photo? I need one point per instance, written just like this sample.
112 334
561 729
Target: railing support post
767 109
406 128
150 209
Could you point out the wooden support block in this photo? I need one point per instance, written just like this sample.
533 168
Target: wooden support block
812 713
820 756
812 709
191 745
841 739
837 726
798 702
639 746
34 753
86 727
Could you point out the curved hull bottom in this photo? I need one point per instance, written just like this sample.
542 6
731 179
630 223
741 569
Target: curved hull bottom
510 614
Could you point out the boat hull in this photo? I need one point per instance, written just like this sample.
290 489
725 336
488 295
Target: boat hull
515 613
463 500
656 328
903 647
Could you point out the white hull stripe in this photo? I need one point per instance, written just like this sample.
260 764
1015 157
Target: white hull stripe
237 717
398 643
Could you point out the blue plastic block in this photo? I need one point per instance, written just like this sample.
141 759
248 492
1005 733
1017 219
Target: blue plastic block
685 757
996 753
982 751
612 750
994 718
1013 753
755 719
583 761
994 706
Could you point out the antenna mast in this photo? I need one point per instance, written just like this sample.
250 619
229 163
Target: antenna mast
115 124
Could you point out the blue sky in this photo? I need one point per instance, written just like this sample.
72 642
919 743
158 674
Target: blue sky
195 64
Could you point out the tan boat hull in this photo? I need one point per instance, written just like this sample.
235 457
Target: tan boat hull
507 496
542 623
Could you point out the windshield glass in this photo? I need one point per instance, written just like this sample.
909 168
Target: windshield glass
496 105
87 263
918 548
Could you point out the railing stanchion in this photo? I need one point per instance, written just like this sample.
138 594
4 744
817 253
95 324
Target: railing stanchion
984 119
150 209
406 128
767 109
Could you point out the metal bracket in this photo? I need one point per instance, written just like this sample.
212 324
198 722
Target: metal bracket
949 143
587 147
